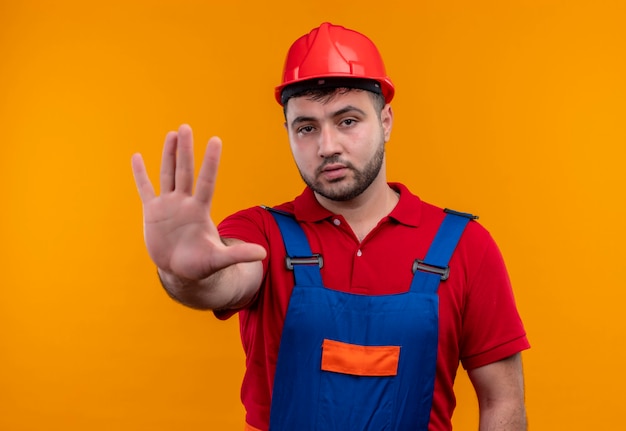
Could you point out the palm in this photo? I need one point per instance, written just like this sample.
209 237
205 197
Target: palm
180 236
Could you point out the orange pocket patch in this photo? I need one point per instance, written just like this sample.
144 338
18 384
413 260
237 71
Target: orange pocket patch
359 360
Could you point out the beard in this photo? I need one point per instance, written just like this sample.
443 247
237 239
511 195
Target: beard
344 189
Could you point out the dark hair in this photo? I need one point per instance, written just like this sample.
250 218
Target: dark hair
326 94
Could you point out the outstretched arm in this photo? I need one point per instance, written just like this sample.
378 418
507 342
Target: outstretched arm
500 390
195 265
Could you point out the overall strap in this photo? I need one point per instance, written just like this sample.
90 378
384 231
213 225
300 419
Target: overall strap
304 264
434 268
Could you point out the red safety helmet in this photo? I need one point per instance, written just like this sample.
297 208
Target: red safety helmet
332 51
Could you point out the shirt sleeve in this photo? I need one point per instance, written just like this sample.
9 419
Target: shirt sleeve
492 327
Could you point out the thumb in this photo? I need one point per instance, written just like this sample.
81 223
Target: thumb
240 252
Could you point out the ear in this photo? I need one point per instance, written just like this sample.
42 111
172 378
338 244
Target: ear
386 120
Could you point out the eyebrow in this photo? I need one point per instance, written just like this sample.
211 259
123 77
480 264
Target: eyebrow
342 111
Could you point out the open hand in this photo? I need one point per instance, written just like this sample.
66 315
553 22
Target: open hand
180 236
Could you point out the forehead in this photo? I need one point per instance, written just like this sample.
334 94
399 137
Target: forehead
329 104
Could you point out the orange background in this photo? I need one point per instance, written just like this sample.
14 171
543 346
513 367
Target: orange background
513 110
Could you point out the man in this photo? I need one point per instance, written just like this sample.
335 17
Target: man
356 300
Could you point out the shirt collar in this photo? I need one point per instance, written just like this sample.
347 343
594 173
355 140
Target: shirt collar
407 211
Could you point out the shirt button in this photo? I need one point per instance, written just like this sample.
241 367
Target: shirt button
337 222
359 253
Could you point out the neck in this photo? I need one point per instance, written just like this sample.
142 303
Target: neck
364 212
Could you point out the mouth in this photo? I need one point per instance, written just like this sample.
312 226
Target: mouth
334 171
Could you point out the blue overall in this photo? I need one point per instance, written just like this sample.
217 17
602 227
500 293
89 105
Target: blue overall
309 396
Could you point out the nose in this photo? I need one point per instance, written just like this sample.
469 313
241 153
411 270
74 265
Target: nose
328 143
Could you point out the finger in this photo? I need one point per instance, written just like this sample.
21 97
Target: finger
238 253
208 171
184 160
144 186
246 252
168 162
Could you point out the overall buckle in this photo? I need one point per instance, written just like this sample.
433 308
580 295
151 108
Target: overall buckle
420 265
315 259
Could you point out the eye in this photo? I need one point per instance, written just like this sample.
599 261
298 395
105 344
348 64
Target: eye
304 130
348 122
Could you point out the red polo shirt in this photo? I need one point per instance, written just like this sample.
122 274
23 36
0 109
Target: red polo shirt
478 321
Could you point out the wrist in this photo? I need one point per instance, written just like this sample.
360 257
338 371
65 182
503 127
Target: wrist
171 281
